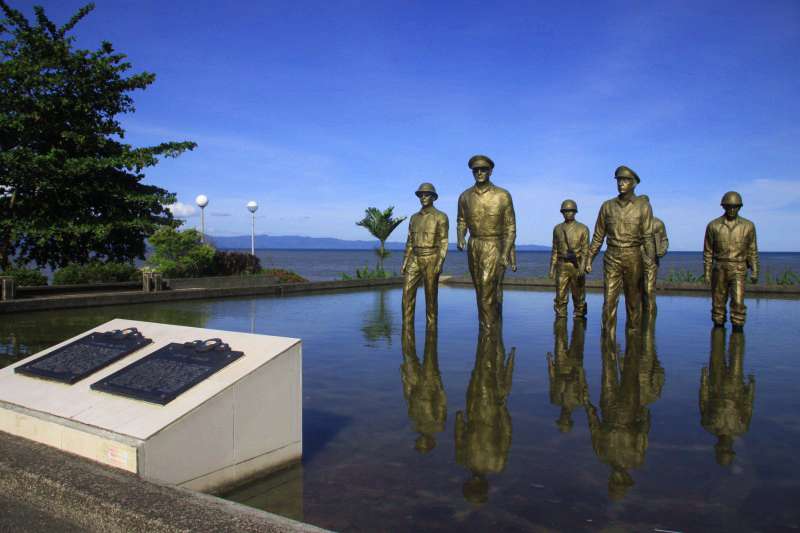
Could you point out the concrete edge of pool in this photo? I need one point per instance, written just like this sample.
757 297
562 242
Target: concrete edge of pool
69 488
71 301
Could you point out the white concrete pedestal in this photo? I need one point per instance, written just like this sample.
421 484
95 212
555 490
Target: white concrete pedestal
242 421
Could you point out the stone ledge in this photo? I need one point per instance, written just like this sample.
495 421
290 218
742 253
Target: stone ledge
74 490
69 301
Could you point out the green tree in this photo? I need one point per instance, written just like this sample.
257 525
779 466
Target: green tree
380 224
70 189
180 254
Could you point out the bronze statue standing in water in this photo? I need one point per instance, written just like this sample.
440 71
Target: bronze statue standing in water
426 249
728 251
488 213
627 221
568 261
651 267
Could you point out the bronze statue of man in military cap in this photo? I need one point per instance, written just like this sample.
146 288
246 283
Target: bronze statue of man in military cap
627 223
651 267
488 213
426 249
568 261
728 251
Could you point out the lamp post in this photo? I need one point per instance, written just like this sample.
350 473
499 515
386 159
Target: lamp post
202 202
252 207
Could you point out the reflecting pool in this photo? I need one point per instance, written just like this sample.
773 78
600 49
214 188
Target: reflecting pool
536 428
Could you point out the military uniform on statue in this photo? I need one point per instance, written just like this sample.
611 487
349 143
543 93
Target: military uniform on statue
651 267
729 250
627 222
426 249
488 213
568 261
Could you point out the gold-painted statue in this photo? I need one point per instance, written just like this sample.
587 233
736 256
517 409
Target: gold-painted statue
483 433
651 267
627 223
729 250
488 213
726 400
568 261
423 389
620 437
426 249
568 387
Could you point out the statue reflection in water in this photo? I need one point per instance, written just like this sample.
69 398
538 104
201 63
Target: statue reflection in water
568 387
651 373
483 431
726 400
619 436
423 389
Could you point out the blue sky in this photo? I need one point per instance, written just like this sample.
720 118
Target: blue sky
318 110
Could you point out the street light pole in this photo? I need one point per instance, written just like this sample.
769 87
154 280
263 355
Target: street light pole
202 202
252 207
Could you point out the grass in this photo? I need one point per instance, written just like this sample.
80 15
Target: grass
787 277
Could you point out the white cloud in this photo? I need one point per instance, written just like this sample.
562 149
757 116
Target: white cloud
181 210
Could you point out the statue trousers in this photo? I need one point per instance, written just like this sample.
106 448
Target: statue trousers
622 271
569 279
727 279
421 269
487 273
649 285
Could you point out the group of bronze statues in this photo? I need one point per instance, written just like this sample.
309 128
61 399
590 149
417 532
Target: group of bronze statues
635 243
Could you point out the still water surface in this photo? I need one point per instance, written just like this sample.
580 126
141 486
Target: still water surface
450 434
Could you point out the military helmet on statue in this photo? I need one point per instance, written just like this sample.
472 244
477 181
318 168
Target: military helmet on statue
569 205
731 198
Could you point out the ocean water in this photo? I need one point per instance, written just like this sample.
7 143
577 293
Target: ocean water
318 265
641 452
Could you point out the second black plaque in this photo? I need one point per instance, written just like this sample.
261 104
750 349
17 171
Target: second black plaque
168 372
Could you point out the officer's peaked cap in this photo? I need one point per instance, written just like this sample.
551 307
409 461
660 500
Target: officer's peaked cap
480 161
626 172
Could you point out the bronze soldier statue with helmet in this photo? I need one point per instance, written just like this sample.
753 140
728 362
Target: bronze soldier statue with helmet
729 250
568 260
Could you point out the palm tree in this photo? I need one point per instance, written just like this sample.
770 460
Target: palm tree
380 224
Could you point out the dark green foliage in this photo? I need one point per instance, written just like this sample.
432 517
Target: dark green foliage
26 277
787 277
96 272
380 224
235 263
683 276
367 273
180 254
70 190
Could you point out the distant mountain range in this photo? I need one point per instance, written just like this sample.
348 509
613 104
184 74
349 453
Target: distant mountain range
295 242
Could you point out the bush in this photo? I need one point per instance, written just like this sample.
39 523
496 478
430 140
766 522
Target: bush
284 276
683 276
96 272
235 263
180 254
367 273
26 277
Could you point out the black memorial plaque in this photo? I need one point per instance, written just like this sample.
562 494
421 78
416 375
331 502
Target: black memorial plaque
170 371
85 356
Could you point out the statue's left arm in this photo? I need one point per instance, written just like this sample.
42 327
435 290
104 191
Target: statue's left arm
510 234
752 254
647 231
442 231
